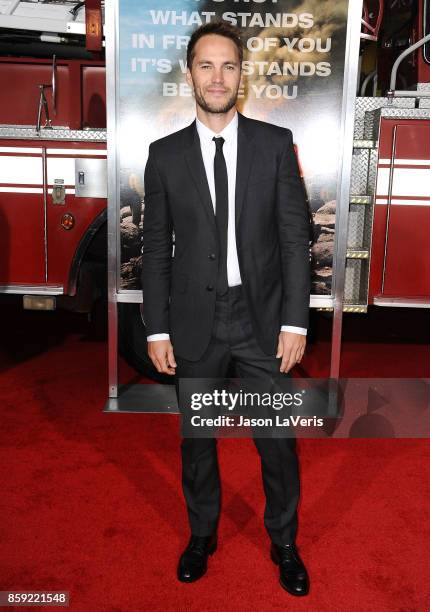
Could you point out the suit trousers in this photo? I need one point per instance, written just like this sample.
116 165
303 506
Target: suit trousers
233 348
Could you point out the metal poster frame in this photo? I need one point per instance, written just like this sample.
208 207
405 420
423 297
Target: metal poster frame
126 399
350 80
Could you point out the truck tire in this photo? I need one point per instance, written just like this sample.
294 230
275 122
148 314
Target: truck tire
132 343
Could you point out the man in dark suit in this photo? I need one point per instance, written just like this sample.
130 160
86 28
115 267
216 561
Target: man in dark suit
237 289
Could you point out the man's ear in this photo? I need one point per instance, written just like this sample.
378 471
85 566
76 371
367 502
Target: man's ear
189 78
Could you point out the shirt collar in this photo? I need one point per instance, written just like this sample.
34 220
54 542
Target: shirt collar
206 134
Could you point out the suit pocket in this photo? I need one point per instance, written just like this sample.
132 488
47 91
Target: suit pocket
179 283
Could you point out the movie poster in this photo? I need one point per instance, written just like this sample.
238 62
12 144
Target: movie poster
292 76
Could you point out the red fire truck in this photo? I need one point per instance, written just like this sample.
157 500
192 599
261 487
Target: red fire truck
388 260
53 161
53 154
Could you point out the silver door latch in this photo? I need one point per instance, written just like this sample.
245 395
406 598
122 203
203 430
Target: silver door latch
59 192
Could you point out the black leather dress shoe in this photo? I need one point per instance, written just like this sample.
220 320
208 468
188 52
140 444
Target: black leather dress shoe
194 559
292 572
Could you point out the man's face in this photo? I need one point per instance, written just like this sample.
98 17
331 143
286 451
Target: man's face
215 73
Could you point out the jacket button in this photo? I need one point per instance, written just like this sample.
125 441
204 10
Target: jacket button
211 255
210 288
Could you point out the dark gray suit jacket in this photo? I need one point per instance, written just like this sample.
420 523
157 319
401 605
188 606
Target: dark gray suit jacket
272 235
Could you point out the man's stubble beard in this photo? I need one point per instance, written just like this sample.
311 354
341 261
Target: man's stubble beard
210 108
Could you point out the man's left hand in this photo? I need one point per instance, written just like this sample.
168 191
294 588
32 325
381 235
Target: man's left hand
291 348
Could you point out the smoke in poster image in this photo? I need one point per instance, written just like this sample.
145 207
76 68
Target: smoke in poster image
292 76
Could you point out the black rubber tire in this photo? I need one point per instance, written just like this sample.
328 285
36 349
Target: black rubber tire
132 343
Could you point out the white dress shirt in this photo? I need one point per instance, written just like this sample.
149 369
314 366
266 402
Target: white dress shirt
229 133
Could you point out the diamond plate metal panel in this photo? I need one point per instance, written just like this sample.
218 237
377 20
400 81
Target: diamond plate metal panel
362 105
371 124
403 113
400 103
25 133
372 172
360 172
424 103
356 221
352 281
363 179
356 275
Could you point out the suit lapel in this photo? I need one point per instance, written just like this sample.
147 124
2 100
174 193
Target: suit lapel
194 159
245 155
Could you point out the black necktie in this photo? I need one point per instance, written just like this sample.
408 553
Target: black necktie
221 196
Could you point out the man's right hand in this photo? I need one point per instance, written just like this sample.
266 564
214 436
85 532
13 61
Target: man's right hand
161 354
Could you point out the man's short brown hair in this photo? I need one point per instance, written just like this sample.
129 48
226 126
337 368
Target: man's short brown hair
219 27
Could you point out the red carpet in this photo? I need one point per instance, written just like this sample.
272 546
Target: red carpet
91 502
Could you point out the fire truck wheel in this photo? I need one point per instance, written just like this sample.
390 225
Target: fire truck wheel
133 345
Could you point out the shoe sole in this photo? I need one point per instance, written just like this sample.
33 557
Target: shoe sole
293 592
